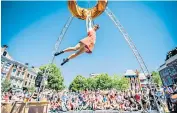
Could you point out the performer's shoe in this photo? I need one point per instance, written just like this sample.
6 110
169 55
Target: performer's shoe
64 61
58 53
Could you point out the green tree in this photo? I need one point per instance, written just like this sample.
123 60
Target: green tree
123 83
120 82
31 89
55 79
156 78
104 81
5 85
115 82
78 84
91 83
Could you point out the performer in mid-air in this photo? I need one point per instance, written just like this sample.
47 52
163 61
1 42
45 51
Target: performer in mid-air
84 45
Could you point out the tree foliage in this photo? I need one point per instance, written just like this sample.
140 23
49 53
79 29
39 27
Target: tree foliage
5 85
120 83
78 84
91 83
55 79
156 78
102 81
123 83
31 89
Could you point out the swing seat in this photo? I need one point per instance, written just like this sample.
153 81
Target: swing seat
81 13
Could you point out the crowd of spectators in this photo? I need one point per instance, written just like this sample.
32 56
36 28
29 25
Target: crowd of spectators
129 100
169 92
102 100
12 96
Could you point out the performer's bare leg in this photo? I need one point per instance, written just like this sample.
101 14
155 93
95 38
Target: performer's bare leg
82 50
69 49
75 48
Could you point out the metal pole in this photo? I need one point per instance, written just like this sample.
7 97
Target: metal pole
57 44
133 48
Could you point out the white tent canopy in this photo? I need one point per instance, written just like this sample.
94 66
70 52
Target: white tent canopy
130 73
142 76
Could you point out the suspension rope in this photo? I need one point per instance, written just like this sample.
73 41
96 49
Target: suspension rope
57 45
90 13
88 4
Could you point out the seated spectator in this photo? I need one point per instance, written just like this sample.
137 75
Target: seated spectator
133 105
127 105
6 97
114 105
99 105
145 100
69 105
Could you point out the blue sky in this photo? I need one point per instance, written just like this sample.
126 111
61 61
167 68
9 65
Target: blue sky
32 28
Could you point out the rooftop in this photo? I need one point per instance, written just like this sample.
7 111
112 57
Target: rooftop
171 53
142 76
130 73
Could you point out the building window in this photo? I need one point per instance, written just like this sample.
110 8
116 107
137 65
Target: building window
29 83
6 68
14 70
5 53
31 76
34 78
175 66
26 83
28 75
2 62
23 73
18 73
170 82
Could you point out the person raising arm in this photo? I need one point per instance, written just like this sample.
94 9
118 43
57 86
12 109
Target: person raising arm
85 45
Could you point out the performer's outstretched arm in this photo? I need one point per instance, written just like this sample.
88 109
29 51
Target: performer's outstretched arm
89 23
